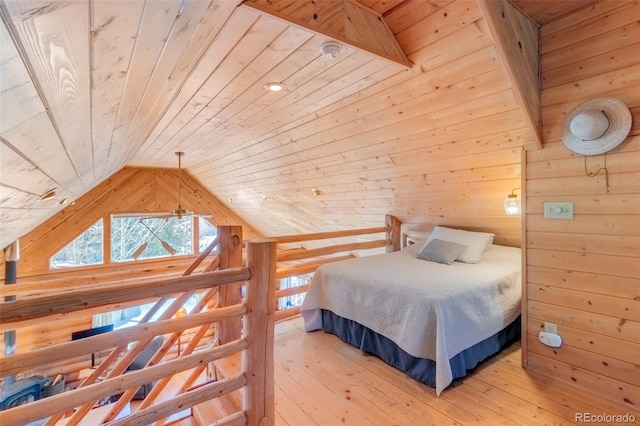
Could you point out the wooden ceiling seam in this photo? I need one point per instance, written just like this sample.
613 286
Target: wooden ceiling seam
376 117
113 30
549 12
146 130
19 46
55 40
206 105
401 85
256 118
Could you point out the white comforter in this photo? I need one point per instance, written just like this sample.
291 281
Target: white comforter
430 310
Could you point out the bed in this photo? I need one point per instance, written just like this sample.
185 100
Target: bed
432 320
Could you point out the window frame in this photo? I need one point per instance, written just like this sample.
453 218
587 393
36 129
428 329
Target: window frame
107 244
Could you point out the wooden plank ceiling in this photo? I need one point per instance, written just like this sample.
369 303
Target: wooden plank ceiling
89 86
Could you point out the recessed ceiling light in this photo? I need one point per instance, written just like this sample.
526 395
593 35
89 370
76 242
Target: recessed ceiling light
274 86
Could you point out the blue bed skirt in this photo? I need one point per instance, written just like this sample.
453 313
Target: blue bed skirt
423 370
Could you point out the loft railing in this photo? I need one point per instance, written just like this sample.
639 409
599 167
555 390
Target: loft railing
256 311
301 261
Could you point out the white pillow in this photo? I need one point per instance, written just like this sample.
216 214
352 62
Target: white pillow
477 242
441 251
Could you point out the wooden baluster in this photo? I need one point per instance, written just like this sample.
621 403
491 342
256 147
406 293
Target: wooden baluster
393 233
161 384
230 294
129 394
201 257
257 361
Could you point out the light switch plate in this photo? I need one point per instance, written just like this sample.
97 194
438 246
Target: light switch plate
558 210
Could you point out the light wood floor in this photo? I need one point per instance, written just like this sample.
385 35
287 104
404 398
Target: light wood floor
322 381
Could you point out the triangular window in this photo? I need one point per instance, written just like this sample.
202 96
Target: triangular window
84 250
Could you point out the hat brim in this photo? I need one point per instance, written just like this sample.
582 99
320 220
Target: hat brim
619 126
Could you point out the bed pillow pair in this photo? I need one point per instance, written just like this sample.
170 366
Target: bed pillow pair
475 243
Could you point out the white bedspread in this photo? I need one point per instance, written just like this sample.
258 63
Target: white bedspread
430 310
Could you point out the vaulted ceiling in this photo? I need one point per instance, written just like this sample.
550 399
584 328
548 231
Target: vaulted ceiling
91 86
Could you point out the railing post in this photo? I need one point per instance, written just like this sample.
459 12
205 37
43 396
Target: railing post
12 255
230 252
393 233
257 365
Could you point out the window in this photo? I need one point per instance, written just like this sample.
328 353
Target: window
136 237
84 250
143 238
295 299
206 233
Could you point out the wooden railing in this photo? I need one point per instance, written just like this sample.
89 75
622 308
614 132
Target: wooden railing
107 379
308 260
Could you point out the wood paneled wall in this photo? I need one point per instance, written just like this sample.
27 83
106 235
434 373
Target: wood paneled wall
131 190
584 274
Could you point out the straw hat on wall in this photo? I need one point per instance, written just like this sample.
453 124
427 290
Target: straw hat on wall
597 126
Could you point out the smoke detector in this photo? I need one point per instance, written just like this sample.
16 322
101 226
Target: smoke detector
330 49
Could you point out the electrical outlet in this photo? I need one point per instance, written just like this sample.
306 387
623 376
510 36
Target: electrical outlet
551 328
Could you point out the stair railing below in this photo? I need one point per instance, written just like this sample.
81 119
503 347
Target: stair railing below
256 311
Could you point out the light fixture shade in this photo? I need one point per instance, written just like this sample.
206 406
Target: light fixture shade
511 205
49 195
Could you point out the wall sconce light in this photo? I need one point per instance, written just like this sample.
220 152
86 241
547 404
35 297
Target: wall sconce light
48 195
511 204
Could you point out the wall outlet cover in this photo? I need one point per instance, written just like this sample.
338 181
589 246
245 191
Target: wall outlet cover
552 340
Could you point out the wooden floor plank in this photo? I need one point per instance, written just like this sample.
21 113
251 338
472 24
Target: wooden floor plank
319 370
547 388
561 403
288 409
320 412
406 391
355 395
320 380
328 397
508 405
280 421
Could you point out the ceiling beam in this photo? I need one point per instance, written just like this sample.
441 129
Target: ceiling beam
516 39
346 21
